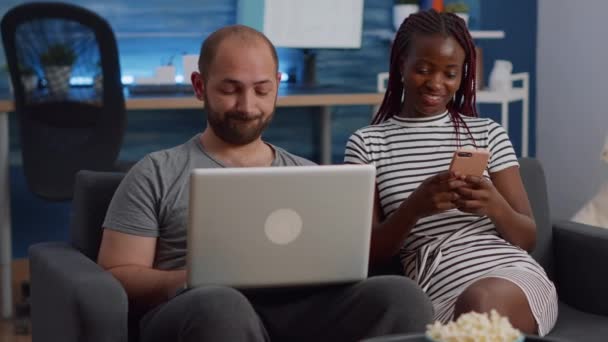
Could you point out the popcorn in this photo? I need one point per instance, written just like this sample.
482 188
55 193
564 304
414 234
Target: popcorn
475 327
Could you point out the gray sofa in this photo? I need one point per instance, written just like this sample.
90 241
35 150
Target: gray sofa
73 299
572 255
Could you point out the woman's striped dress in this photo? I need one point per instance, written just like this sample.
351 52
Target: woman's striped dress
447 252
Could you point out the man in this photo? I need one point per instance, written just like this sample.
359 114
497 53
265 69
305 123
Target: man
144 239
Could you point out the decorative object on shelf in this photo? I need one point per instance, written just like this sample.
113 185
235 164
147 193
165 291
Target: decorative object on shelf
426 4
57 63
438 5
381 80
163 75
402 9
190 65
500 76
460 8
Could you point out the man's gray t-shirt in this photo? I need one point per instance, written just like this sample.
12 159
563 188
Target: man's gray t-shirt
152 199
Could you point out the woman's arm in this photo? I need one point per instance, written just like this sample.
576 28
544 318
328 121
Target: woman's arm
505 202
436 194
389 234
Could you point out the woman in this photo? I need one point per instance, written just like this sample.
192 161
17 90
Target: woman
463 239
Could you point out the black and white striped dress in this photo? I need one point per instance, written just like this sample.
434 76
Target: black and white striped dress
445 253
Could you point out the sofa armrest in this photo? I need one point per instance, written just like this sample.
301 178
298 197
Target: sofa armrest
580 252
73 299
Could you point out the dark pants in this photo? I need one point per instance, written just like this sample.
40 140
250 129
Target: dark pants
376 306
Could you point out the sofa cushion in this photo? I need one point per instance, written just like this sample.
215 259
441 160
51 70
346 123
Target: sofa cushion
574 325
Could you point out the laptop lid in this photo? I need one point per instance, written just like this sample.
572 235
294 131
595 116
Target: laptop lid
279 226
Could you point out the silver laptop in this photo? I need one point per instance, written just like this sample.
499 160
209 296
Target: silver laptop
279 226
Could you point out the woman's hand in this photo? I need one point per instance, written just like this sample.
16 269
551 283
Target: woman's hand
480 197
504 201
435 194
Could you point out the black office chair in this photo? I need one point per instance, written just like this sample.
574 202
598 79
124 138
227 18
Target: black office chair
70 107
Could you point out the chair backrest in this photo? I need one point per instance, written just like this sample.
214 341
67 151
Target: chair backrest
92 195
533 178
64 67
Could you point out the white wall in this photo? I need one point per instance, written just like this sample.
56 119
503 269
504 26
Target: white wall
572 100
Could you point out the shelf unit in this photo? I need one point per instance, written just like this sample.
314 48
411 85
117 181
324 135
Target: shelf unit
487 34
516 93
388 35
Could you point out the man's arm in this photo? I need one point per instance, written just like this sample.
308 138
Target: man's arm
130 259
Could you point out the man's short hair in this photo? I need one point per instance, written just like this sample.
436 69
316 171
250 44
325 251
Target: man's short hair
245 33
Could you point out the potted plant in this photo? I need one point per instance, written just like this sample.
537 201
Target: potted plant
57 63
460 8
402 9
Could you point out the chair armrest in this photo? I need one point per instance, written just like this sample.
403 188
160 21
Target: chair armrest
73 299
580 252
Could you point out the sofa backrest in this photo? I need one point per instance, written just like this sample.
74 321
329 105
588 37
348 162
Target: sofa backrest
93 192
533 178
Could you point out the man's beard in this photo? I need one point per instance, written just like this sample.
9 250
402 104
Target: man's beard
236 128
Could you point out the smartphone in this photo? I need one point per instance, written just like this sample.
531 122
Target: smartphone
469 162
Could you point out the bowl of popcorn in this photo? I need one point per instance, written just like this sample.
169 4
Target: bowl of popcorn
475 327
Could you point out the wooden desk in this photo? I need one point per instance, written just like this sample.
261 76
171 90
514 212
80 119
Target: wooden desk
188 102
324 98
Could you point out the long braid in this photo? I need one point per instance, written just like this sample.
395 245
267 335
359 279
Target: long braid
432 22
